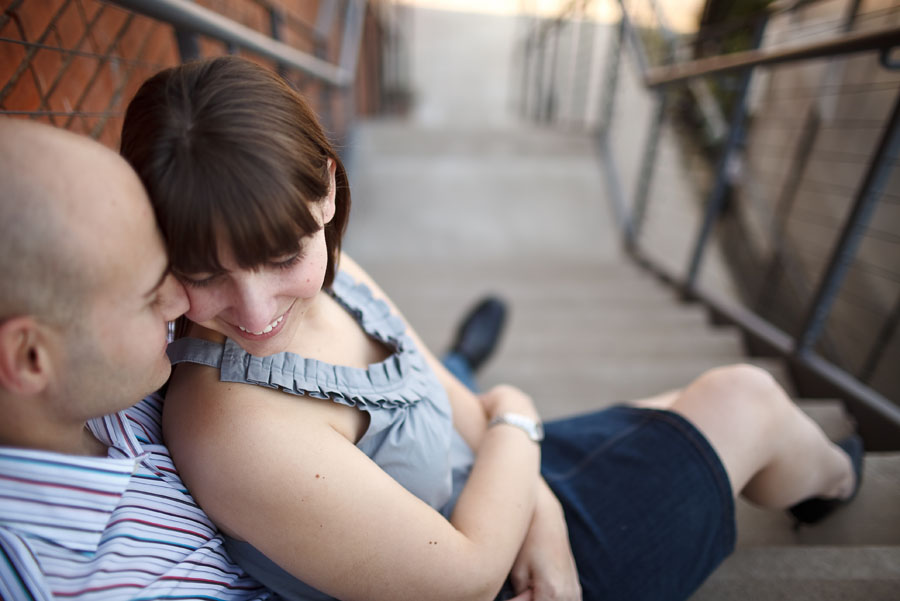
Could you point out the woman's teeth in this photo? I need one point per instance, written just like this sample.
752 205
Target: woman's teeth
266 330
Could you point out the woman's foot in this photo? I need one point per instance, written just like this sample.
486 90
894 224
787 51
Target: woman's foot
480 331
816 509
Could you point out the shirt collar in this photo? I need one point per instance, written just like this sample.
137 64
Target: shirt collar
68 499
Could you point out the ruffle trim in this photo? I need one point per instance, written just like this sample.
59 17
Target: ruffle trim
402 379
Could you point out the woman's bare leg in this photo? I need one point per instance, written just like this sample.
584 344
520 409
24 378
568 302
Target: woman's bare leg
775 455
664 400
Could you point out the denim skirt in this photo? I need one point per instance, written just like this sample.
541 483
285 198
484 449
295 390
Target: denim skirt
647 502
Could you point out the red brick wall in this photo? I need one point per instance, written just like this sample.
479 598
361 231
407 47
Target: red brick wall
77 63
84 91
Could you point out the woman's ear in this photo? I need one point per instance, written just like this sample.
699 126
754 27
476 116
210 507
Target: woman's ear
329 207
24 356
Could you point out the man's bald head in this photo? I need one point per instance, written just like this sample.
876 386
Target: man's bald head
85 289
51 227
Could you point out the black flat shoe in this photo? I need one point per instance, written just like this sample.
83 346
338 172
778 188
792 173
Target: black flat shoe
480 331
816 509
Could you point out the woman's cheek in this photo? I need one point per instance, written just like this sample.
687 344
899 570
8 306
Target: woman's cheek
201 305
312 274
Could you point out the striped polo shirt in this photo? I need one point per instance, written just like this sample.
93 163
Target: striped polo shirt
108 528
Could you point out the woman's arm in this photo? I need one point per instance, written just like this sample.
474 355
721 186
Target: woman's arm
273 469
545 562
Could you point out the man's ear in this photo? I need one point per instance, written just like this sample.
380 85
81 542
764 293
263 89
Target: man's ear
24 356
328 207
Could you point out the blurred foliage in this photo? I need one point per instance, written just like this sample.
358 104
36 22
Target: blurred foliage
729 26
725 26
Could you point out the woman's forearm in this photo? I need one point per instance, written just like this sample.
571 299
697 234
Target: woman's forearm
497 504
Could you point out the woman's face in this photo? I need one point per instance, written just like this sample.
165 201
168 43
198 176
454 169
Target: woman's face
262 308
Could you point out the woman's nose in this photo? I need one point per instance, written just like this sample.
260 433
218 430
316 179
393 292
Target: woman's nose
254 304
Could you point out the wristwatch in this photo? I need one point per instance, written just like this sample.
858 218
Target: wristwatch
534 429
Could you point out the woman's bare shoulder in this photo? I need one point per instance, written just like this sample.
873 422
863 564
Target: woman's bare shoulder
199 406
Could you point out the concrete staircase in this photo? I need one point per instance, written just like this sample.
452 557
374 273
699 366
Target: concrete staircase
462 199
445 215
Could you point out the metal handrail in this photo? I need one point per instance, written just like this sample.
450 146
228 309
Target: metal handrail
715 65
186 15
878 418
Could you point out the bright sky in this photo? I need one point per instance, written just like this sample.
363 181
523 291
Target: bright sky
681 15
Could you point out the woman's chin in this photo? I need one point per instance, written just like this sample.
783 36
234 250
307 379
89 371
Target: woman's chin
261 348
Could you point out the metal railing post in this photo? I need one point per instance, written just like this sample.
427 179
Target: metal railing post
276 26
645 174
549 102
881 342
718 193
525 86
567 106
844 251
540 51
351 36
611 78
188 47
783 207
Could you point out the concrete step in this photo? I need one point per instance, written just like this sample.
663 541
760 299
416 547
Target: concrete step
561 388
873 518
608 324
854 555
639 343
522 284
507 271
810 573
830 415
391 138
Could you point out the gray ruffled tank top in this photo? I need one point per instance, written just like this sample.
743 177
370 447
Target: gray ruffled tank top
410 434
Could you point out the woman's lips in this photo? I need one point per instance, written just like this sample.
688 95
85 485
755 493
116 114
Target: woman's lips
270 330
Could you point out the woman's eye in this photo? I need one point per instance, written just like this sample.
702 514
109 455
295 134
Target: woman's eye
197 281
287 262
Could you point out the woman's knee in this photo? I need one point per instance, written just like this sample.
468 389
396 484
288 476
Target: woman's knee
744 387
740 409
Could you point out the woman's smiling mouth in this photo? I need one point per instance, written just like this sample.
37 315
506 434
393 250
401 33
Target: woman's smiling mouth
265 330
268 331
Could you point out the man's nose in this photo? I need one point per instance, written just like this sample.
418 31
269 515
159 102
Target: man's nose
174 298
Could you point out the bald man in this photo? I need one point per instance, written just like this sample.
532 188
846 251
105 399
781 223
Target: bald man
91 506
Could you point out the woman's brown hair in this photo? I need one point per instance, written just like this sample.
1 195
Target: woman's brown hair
226 147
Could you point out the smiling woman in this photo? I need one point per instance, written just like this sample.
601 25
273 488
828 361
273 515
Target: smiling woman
343 461
237 239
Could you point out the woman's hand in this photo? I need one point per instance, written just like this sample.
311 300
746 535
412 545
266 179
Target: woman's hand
507 399
545 565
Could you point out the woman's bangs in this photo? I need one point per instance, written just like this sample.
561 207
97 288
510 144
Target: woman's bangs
191 239
262 229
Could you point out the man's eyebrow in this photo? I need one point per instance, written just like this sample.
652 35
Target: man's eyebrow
162 278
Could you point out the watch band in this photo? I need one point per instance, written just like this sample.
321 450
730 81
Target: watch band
534 429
